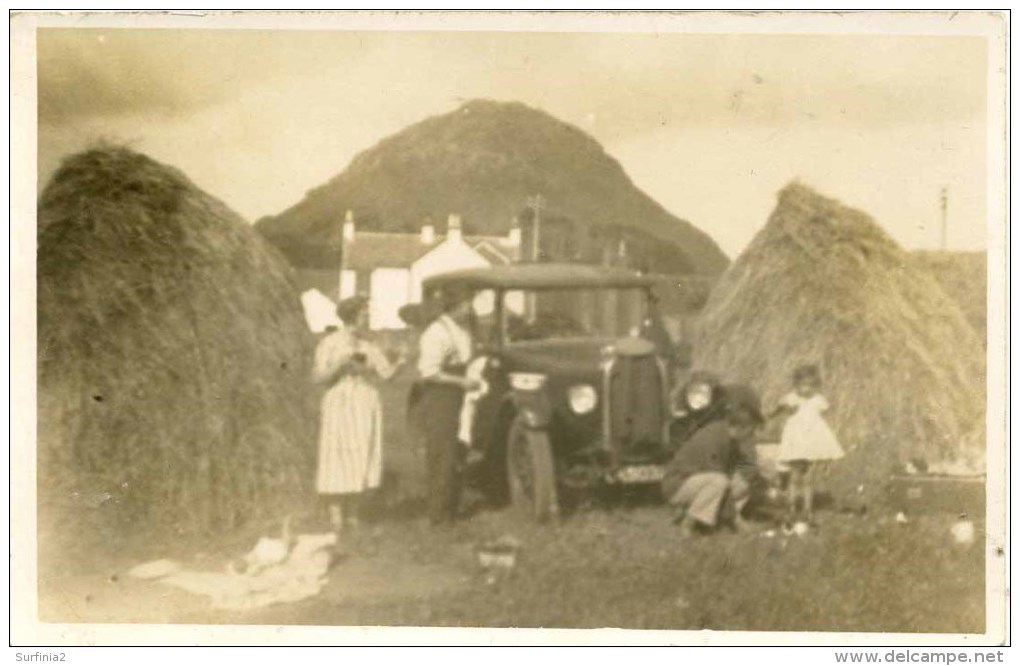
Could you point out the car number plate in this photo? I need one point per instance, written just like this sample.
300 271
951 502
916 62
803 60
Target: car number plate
640 474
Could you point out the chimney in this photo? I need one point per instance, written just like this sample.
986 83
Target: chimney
453 228
513 237
428 232
348 231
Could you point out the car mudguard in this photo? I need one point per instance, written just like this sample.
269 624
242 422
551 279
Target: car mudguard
533 406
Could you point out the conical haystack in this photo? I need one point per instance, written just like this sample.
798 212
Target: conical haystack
173 379
823 284
964 278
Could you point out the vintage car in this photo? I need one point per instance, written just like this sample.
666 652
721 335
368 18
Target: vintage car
577 374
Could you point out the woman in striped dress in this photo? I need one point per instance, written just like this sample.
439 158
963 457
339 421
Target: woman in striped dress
350 432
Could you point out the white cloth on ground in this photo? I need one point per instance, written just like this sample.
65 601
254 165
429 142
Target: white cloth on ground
301 575
154 569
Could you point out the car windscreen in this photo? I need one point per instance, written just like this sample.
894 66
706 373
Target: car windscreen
573 313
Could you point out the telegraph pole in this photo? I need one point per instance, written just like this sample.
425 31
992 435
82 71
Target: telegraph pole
536 203
944 205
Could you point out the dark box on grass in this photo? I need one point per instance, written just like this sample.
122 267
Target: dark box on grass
930 493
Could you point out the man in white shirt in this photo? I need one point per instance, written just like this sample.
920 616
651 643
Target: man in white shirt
446 342
445 349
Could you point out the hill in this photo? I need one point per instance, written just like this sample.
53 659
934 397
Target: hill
482 161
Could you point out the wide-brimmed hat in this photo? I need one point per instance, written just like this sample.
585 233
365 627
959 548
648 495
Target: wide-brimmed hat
414 315
703 377
348 308
450 296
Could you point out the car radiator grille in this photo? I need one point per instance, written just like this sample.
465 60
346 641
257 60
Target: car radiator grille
636 407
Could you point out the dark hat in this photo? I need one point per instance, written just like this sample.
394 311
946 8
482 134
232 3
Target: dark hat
743 404
450 296
349 308
703 377
413 314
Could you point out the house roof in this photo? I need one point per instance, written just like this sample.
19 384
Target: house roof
381 249
491 252
542 276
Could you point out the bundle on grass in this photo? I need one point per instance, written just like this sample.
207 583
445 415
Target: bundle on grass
823 284
172 356
964 277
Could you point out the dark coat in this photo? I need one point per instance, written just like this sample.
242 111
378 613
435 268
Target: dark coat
710 449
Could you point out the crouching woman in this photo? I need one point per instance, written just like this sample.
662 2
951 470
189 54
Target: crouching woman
709 477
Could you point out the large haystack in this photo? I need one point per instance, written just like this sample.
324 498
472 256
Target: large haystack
964 278
172 352
822 283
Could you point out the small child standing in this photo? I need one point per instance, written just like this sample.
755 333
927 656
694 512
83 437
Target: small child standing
807 438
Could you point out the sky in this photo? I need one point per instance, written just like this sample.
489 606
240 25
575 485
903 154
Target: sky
709 125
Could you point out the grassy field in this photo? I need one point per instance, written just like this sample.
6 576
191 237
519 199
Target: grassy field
622 566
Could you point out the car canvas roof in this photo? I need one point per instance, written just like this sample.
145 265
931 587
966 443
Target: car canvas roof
541 276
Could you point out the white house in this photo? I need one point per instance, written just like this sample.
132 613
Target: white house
389 267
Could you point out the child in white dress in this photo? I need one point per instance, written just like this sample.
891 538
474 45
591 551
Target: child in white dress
807 438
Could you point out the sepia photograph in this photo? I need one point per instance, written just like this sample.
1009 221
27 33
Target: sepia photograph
645 321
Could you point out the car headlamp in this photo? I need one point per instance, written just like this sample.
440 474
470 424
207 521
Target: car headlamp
527 381
582 398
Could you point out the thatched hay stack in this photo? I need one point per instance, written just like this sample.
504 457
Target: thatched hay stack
822 283
964 278
172 352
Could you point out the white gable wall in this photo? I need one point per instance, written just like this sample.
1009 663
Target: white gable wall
451 255
387 294
391 288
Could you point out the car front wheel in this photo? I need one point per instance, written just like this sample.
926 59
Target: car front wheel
531 474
